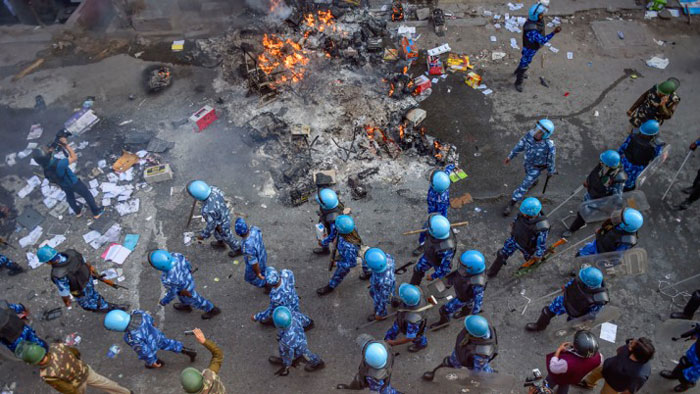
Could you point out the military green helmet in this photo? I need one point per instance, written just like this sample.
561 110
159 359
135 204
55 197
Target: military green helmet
191 380
668 86
30 353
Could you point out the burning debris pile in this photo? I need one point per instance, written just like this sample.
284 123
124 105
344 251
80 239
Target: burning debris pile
316 93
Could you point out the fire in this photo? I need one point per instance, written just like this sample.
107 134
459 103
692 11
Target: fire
391 89
321 21
397 11
285 58
439 149
402 131
373 131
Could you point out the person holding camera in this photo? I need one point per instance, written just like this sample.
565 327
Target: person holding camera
627 371
58 172
571 362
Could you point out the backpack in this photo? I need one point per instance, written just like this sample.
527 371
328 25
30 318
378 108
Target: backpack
50 173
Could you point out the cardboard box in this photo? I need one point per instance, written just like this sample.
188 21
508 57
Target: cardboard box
158 173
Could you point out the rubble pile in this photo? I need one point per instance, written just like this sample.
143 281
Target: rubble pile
323 70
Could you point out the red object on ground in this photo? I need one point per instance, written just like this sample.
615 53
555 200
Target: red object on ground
566 94
422 84
203 118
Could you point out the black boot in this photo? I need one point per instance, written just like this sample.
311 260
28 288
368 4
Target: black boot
395 303
418 251
322 250
416 348
683 387
417 277
496 266
519 76
542 322
15 269
310 326
182 307
667 374
311 368
235 253
465 311
189 352
213 312
444 318
268 289
274 360
111 307
509 208
430 375
324 290
365 276
217 244
690 308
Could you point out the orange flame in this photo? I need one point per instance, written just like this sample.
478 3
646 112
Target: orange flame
439 149
284 56
402 130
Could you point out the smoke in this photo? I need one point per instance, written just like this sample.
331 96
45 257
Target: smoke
275 9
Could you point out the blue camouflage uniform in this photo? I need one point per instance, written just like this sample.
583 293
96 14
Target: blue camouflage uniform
412 330
284 295
476 302
592 248
218 218
28 334
633 170
382 286
348 260
528 54
254 253
692 372
437 202
557 305
377 386
539 155
180 278
90 299
510 246
292 344
6 262
146 339
481 363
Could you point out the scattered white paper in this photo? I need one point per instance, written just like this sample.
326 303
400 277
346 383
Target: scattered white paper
142 153
608 332
553 49
487 92
434 80
481 87
650 14
514 43
497 25
569 55
127 175
496 55
31 238
497 17
33 163
94 183
50 202
111 235
33 261
493 38
658 62
91 236
35 132
55 241
106 202
112 177
187 237
10 159
674 12
82 145
102 163
406 30
32 183
126 122
444 48
117 254
109 274
125 208
515 7
94 192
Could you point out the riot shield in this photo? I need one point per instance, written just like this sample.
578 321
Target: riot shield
620 263
673 329
602 208
563 330
653 166
477 382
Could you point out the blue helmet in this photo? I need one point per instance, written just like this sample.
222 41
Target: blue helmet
610 158
327 198
46 254
591 277
272 277
477 326
241 227
440 181
650 127
534 12
344 224
530 206
439 227
161 260
409 294
376 355
546 126
199 190
473 262
376 259
117 320
282 317
632 220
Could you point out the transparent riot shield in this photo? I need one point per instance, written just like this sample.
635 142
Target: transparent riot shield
562 330
621 263
448 379
653 166
602 208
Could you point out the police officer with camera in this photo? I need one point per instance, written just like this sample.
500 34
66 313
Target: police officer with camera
58 172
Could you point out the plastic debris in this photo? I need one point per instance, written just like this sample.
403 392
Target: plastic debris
72 339
658 62
113 351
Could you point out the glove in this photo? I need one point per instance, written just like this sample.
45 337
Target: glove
184 293
162 303
284 371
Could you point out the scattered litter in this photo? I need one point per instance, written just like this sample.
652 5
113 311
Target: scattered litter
125 208
126 122
35 132
187 237
111 273
596 114
608 332
658 62
569 55
544 82
55 241
460 201
407 30
126 161
621 35
264 206
178 45
434 80
674 12
235 262
555 50
10 159
116 253
472 79
493 38
201 119
487 92
457 62
31 238
102 163
113 351
497 17
650 14
514 43
495 55
497 25
566 94
72 339
444 48
477 209
658 42
130 241
216 279
488 13
33 260
515 7
81 121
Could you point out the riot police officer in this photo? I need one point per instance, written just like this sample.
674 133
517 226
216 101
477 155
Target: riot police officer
438 250
330 208
469 282
375 369
410 319
639 149
616 234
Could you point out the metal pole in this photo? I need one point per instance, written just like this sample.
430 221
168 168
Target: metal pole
673 180
567 200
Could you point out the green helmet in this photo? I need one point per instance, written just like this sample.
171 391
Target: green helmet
30 352
668 86
191 380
